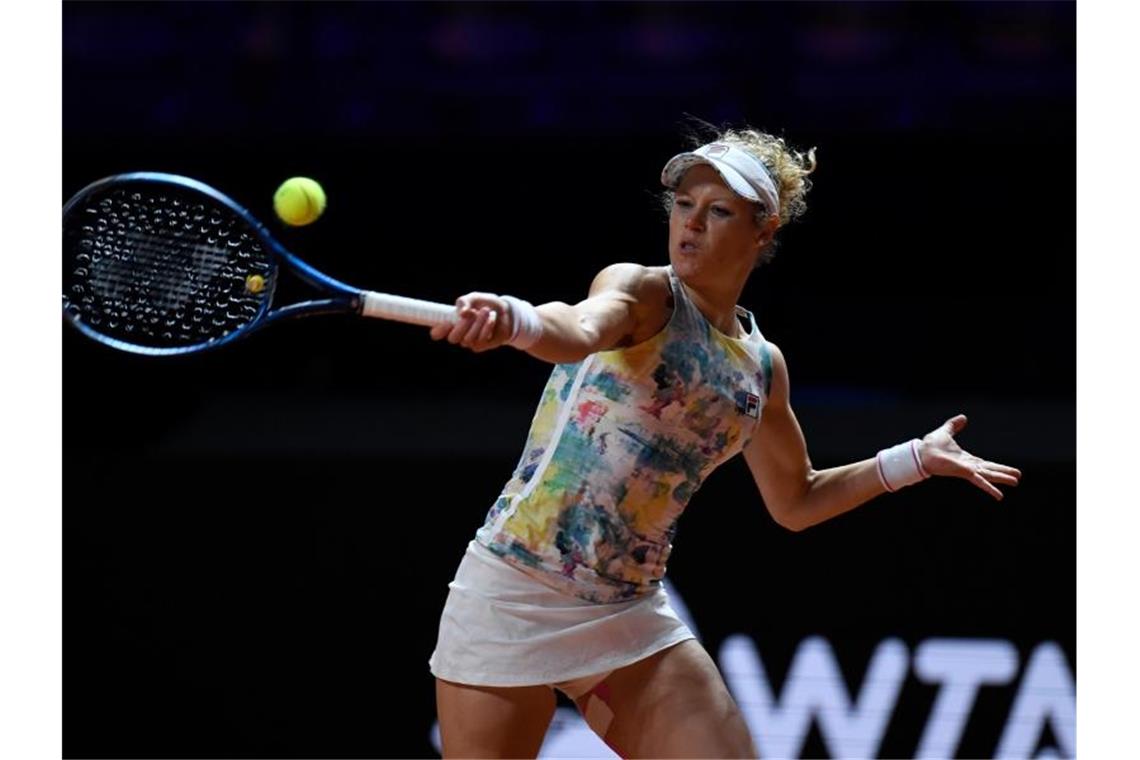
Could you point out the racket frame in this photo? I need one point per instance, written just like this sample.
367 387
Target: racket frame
345 298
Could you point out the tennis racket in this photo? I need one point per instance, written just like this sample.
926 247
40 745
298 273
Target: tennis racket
159 264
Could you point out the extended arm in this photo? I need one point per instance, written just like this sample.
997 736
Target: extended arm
624 302
799 496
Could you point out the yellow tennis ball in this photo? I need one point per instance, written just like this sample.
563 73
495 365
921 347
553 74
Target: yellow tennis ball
299 201
255 283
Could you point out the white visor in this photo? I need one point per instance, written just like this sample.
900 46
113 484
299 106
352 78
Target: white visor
741 171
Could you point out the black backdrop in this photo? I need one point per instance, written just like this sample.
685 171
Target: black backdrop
257 541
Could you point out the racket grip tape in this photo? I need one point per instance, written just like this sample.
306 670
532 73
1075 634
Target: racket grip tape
410 310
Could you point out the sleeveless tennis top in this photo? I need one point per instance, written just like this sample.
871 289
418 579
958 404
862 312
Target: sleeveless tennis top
618 445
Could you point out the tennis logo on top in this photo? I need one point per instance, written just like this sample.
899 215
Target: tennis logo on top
748 403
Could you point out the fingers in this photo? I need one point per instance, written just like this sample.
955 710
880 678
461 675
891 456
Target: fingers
467 327
1001 473
994 472
455 331
1004 468
941 455
476 326
489 326
955 424
977 479
985 474
994 476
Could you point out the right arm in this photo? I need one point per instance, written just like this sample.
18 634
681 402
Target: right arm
626 304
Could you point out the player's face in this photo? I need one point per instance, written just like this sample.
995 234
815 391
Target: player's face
712 230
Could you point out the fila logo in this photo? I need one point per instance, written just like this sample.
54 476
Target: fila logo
752 406
717 149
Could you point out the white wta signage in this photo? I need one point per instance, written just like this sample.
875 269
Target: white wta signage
815 691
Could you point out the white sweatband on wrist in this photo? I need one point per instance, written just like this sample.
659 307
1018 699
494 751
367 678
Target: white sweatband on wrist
900 466
527 324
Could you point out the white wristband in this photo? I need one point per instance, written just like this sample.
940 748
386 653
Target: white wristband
900 466
527 323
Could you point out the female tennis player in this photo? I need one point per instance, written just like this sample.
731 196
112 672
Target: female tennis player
659 378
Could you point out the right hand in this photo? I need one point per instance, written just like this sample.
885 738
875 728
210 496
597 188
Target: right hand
484 323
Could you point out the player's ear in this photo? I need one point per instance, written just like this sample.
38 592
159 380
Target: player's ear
766 230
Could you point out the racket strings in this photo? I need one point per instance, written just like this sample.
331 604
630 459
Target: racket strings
154 269
154 263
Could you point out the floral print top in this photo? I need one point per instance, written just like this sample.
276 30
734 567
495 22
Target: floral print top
618 445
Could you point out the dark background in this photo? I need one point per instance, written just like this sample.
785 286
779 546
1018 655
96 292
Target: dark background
258 540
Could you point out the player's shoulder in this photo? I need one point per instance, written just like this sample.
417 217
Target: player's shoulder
637 280
776 369
775 356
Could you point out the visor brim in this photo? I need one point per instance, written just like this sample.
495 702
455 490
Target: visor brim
675 169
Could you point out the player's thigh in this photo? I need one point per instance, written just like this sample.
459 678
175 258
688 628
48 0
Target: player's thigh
674 704
484 721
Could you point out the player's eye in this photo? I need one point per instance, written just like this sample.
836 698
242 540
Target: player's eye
722 211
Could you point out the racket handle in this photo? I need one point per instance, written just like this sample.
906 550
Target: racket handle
410 310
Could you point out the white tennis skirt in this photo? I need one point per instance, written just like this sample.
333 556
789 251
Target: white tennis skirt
501 627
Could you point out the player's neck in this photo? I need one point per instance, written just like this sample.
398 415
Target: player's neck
719 308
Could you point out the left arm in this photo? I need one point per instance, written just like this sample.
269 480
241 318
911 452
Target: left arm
799 496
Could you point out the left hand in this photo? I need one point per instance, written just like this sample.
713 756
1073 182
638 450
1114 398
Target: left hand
941 455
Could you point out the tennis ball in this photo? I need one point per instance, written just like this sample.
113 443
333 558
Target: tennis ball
255 283
299 201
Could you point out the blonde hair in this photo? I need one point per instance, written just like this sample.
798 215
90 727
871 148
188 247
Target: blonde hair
789 169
